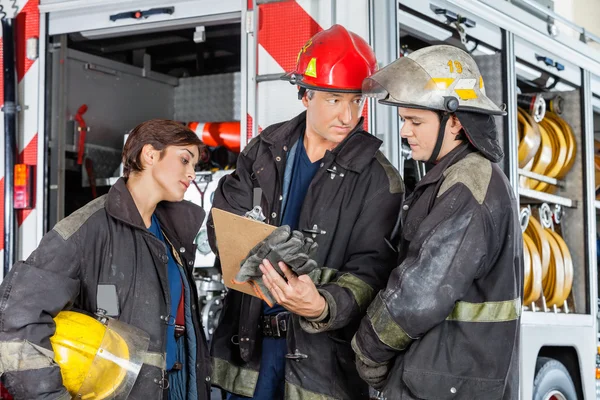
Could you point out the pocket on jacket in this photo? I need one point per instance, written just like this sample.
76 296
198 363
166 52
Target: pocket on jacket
431 385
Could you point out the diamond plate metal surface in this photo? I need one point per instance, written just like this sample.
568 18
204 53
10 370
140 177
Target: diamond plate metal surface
106 162
490 67
209 98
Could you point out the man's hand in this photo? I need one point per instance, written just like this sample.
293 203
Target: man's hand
298 295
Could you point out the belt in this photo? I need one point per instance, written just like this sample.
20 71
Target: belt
275 325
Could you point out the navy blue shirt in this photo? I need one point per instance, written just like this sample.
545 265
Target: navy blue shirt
302 174
175 289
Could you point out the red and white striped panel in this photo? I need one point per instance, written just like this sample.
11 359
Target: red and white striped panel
28 77
284 27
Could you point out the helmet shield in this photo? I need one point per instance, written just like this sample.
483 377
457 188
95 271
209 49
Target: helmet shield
401 84
116 364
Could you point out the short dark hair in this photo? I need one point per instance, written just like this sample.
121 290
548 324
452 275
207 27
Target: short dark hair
160 133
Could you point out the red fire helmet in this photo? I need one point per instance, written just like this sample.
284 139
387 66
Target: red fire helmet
334 60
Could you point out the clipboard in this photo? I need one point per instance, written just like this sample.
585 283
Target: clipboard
236 236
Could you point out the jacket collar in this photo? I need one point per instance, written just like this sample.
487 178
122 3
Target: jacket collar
354 153
437 172
282 133
180 220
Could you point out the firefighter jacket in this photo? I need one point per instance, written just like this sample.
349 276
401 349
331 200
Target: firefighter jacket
105 242
350 209
447 325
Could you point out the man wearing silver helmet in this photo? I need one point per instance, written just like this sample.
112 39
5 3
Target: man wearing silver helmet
447 324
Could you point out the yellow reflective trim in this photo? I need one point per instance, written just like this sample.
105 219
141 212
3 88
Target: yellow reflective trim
22 355
439 83
158 360
234 379
294 392
311 68
385 327
466 94
491 311
362 292
327 275
480 82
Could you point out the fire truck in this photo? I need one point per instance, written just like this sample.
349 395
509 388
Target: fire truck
79 74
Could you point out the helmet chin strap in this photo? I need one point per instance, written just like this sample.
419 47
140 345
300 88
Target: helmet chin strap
450 106
440 138
301 91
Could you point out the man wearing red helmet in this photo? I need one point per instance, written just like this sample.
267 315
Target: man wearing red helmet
322 174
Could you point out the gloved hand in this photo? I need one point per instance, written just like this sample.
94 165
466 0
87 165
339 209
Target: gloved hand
293 249
297 252
373 373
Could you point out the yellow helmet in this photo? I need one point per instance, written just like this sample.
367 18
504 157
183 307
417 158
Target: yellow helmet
96 360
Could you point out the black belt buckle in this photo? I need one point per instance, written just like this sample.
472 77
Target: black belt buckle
179 331
275 325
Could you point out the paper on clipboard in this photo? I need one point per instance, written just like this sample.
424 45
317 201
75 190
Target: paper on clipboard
236 236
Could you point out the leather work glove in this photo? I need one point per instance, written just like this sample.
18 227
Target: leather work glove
297 252
293 249
249 266
375 374
249 269
303 263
